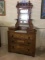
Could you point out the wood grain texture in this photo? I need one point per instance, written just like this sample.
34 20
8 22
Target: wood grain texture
23 43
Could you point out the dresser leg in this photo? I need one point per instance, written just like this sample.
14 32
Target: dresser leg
33 54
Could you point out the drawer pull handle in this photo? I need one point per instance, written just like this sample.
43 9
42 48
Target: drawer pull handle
28 37
12 35
28 42
13 47
12 41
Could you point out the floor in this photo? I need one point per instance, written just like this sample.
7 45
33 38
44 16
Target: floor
5 55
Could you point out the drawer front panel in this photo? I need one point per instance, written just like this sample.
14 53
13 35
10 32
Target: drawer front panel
20 41
21 36
16 35
20 48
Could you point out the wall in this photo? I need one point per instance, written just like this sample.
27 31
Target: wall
11 15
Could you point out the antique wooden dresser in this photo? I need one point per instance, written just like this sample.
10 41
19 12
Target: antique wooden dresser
22 37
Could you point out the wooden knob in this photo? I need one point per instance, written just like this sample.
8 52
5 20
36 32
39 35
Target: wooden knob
12 35
28 49
28 37
28 42
12 41
13 47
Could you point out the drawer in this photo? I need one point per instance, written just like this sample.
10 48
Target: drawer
21 35
19 41
20 48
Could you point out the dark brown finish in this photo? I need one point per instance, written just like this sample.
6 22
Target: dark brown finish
22 42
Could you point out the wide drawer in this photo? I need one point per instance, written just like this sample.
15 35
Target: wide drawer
20 41
20 48
21 35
